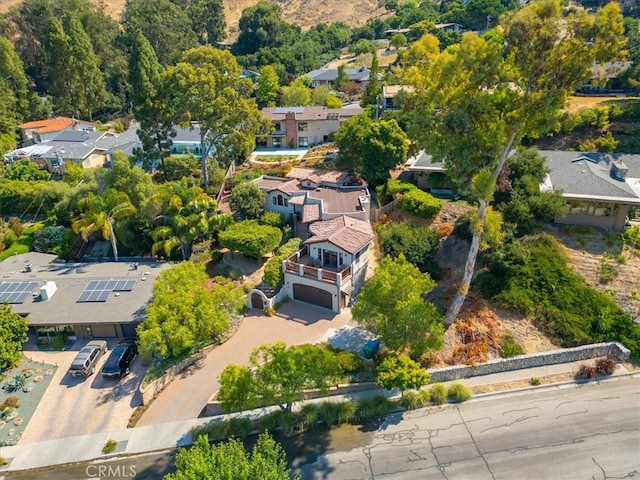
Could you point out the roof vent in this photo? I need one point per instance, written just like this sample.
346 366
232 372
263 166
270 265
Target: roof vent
619 171
47 290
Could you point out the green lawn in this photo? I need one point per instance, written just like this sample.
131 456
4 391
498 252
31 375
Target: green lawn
23 244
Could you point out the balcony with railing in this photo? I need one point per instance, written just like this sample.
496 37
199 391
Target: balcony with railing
303 265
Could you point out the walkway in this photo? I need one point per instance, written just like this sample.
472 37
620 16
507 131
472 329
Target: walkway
187 395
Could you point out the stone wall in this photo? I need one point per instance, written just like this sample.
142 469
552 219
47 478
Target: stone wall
565 355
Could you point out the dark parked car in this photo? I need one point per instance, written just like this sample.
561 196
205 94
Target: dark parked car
85 362
119 361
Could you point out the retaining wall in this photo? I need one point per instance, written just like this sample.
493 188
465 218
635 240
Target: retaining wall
565 355
154 388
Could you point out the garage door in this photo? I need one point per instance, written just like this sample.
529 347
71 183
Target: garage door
313 295
103 330
129 329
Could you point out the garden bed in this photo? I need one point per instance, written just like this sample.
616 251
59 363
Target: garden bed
22 389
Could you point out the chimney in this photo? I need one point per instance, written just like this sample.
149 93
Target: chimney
619 171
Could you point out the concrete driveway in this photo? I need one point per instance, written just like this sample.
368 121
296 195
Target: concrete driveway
74 406
296 323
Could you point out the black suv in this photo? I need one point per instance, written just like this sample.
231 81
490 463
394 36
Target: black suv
85 362
120 358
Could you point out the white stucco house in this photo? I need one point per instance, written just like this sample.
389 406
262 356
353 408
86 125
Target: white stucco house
333 220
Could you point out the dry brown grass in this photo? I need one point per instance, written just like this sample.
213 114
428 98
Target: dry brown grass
576 104
304 13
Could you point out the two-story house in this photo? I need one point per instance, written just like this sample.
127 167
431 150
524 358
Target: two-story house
302 127
333 219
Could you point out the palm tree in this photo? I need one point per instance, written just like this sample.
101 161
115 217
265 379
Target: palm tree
187 219
99 214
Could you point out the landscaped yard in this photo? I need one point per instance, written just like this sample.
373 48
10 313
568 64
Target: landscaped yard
22 389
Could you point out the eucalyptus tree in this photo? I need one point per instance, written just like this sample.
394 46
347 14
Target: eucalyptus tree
206 93
475 101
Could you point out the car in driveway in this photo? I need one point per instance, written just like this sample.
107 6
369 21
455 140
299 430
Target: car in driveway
85 362
120 358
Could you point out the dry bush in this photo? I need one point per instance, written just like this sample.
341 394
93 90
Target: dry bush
478 331
586 372
605 365
444 230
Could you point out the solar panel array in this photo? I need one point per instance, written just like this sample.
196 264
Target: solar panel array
99 290
16 292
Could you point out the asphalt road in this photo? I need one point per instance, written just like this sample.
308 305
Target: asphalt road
591 432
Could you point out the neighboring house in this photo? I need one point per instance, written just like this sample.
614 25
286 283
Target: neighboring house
302 127
85 148
450 27
599 188
83 300
333 219
391 32
39 131
186 141
604 78
325 77
389 93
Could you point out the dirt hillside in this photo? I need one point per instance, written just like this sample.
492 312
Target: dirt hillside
304 13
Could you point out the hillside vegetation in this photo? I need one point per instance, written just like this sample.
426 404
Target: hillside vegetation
304 13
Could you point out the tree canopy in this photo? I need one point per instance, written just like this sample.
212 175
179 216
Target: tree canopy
230 461
251 238
371 147
508 85
177 328
278 375
399 371
13 334
390 305
248 199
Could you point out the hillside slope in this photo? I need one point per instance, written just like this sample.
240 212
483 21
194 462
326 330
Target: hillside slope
305 13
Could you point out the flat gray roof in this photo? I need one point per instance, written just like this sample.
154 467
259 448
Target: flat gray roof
70 280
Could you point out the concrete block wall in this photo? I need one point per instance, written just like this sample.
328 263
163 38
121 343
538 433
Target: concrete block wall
565 355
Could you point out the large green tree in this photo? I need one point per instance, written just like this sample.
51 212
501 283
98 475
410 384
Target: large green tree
205 91
207 19
278 375
148 104
13 334
186 313
14 95
507 86
373 88
262 26
371 147
164 24
75 79
391 305
268 87
248 199
230 461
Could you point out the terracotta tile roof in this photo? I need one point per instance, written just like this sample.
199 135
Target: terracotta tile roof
311 213
347 233
317 175
289 187
55 124
297 200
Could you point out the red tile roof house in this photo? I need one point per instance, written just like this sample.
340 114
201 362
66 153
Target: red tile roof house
334 221
302 127
39 131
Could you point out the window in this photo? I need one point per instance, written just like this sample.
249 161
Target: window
303 142
275 201
280 202
302 126
277 126
277 143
